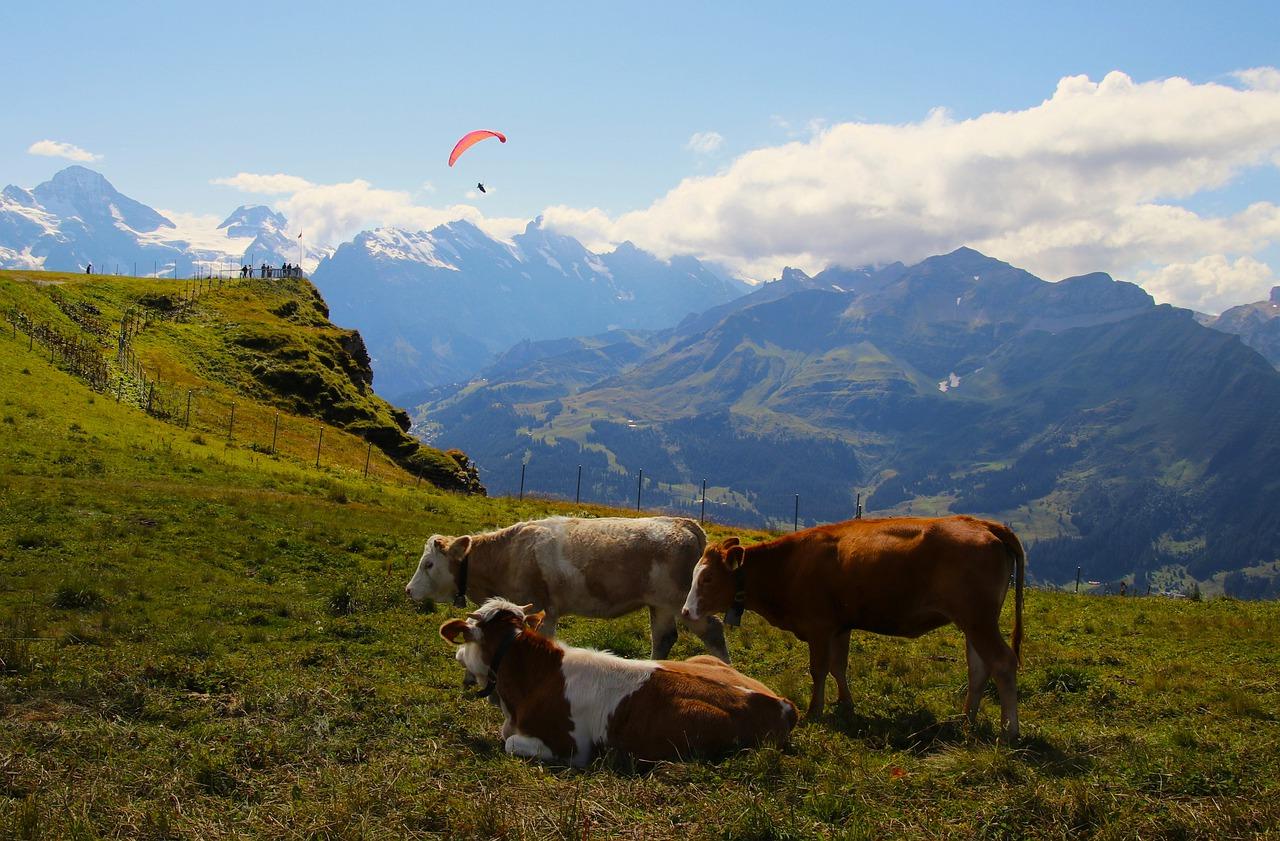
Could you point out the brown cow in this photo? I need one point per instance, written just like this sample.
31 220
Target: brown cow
902 577
562 703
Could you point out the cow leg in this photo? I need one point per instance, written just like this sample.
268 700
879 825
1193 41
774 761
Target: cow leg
711 631
662 632
839 666
978 675
819 663
999 658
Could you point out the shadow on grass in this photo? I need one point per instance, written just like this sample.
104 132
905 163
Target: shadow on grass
922 733
916 730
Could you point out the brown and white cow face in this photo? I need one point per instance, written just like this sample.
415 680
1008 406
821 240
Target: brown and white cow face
436 575
482 632
713 580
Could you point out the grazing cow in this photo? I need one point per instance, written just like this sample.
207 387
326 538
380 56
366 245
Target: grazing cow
903 577
602 567
561 703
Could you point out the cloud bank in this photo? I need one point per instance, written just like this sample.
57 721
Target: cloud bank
1089 179
1097 177
331 213
58 149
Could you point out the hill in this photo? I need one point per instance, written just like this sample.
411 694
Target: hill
187 353
1117 436
200 639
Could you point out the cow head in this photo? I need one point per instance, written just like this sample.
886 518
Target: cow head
714 579
480 635
436 577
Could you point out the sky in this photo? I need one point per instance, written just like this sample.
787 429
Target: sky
1138 139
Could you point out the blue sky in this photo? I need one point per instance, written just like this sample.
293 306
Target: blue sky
599 100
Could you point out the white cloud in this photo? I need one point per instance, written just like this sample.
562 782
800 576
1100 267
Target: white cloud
58 149
1212 283
704 142
1259 78
271 185
1089 179
332 213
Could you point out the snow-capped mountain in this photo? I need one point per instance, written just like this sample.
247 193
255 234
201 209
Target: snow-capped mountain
77 217
436 306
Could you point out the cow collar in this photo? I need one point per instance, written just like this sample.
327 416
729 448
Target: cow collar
460 597
733 616
492 680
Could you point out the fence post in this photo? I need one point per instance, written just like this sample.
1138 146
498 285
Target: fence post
419 479
577 494
319 441
186 422
857 511
367 454
639 485
232 424
151 393
120 387
275 430
702 518
1077 579
522 466
795 526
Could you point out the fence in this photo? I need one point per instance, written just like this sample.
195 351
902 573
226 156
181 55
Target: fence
621 488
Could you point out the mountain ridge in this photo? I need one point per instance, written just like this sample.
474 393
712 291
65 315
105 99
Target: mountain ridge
958 384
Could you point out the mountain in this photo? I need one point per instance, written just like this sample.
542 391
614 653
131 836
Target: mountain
77 217
1257 324
1115 434
436 306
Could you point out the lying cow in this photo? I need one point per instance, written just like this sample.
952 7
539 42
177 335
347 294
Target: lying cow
603 567
563 703
902 577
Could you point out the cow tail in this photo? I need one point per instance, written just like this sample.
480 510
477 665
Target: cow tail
1014 546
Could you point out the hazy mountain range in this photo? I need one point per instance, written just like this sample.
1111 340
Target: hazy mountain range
437 306
1117 435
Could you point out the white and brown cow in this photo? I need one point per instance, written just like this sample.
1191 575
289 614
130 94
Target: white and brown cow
563 703
600 567
903 576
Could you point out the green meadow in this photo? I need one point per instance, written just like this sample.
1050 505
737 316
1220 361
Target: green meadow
204 638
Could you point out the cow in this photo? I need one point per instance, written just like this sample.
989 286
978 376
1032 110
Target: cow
901 576
601 567
562 703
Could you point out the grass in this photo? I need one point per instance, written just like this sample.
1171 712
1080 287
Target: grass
200 642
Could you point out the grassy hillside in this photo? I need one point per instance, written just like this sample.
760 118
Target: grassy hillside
202 641
186 353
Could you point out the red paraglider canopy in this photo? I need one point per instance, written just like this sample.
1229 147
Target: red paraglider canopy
470 139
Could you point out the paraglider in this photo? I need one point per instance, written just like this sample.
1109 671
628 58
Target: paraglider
470 139
480 187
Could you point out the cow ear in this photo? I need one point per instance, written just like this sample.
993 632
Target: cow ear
729 542
534 620
453 629
735 556
459 548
